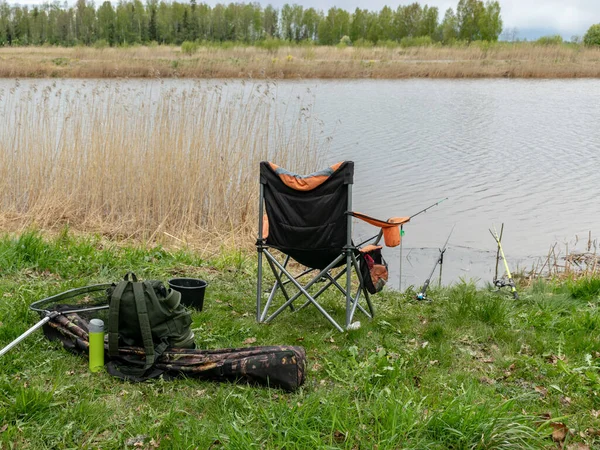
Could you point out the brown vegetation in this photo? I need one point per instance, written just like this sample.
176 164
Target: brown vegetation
182 167
570 265
518 60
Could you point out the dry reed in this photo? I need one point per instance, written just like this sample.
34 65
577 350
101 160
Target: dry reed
572 264
518 60
180 165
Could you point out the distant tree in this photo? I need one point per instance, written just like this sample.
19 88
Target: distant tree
39 22
203 14
65 27
4 23
359 24
122 24
106 22
21 25
219 23
287 22
592 37
468 14
373 27
449 27
192 29
490 22
386 25
297 15
335 25
428 24
270 21
310 23
85 22
180 21
407 21
325 30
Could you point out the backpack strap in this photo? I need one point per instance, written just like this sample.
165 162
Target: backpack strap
160 348
130 276
113 322
145 328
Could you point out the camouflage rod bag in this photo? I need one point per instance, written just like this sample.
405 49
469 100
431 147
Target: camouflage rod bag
144 314
275 366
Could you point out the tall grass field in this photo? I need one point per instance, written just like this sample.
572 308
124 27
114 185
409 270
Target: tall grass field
279 60
179 165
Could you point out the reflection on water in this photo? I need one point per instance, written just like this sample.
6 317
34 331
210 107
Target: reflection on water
521 152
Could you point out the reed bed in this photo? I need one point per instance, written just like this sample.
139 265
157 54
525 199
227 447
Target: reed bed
156 164
580 260
483 60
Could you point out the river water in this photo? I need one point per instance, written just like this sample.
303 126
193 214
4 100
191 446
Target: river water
519 152
524 153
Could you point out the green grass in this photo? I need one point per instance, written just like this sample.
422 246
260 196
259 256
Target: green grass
471 369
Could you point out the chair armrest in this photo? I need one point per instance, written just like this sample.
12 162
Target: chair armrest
390 228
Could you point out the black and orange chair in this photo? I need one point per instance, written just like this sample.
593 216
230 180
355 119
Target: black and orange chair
308 218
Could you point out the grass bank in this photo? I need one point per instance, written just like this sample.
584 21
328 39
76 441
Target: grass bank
471 369
479 60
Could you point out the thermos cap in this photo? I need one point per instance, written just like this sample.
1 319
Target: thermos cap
96 326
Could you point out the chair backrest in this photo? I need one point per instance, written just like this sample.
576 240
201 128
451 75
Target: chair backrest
306 214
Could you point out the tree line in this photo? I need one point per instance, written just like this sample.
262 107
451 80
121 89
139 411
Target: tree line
132 22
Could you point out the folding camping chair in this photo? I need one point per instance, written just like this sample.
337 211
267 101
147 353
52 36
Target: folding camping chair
309 219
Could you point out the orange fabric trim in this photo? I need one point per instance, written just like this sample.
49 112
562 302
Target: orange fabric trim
265 227
303 183
336 166
399 220
370 248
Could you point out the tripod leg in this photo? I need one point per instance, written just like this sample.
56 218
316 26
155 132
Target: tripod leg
441 265
401 242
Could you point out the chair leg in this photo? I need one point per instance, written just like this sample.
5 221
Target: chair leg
355 305
362 286
259 286
278 284
348 287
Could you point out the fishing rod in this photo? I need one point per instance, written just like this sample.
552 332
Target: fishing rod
402 234
422 295
500 283
429 207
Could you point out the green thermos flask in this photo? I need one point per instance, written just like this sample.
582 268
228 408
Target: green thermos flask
96 333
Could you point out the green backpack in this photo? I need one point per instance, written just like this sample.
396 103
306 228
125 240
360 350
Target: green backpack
144 314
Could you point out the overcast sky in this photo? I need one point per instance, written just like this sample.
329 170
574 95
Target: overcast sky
532 18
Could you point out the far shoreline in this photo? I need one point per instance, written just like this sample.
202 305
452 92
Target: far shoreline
497 60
